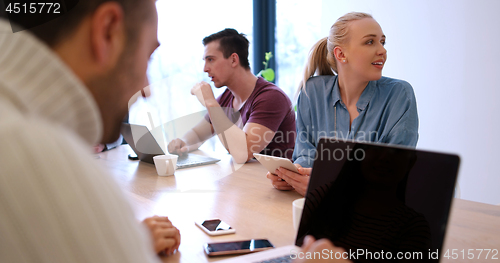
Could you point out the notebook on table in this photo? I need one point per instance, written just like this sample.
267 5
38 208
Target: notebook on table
146 147
374 199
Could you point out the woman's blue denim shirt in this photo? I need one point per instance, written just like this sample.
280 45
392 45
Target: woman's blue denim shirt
387 114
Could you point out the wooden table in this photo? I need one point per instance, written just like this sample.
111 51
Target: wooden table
242 196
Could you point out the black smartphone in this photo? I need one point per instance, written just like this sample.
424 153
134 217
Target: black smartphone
133 157
237 247
215 227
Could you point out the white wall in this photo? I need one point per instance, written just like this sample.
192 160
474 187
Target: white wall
450 52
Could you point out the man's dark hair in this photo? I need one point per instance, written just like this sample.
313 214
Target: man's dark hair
54 31
230 41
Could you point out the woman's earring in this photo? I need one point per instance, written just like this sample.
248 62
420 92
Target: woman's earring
343 60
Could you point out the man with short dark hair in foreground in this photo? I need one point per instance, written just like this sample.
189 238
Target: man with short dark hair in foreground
64 87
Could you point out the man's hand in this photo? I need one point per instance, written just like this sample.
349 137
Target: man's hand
298 181
177 146
166 237
203 92
99 148
311 245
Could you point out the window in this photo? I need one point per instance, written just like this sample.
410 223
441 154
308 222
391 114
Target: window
298 27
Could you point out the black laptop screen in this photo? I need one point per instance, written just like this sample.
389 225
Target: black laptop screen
373 198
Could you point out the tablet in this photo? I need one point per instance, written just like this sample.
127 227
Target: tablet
272 162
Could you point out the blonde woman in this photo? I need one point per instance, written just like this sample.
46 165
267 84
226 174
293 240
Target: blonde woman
349 99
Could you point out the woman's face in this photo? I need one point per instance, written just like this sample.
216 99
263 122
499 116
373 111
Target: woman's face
364 51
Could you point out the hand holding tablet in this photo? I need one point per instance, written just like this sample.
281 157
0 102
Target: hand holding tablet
272 162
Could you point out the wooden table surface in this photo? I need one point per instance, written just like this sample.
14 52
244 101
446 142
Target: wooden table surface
243 197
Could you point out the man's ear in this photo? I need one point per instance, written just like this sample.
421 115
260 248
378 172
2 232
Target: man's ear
235 60
107 34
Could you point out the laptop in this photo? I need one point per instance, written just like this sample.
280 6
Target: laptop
374 200
146 147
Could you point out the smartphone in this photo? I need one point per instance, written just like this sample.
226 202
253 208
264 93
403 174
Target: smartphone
272 162
133 157
215 227
237 247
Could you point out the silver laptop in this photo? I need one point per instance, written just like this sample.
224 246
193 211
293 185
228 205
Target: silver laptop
146 147
374 199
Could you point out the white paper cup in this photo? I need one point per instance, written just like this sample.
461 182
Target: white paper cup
298 206
165 164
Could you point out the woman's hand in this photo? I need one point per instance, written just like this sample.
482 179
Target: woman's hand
298 181
279 183
166 237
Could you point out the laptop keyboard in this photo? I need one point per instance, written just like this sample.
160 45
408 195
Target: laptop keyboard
281 259
191 160
188 161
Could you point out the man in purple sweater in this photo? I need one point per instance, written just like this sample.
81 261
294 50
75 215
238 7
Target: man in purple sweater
251 116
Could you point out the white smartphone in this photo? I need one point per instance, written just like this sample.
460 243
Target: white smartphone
215 227
237 247
272 162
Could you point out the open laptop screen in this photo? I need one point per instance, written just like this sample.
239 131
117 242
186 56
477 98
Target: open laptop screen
141 141
378 198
